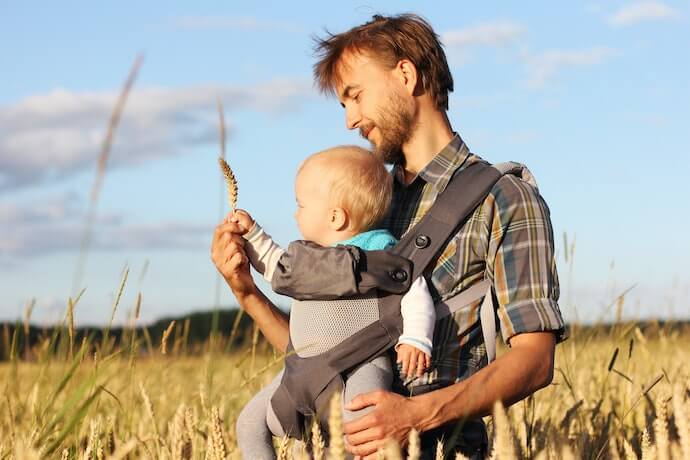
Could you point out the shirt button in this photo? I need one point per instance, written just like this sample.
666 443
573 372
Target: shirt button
422 241
398 275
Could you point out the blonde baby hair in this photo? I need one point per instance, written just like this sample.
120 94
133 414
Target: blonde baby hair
358 182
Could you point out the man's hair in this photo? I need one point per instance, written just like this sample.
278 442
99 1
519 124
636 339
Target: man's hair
388 39
357 181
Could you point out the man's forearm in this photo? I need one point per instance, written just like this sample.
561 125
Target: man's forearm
524 369
272 321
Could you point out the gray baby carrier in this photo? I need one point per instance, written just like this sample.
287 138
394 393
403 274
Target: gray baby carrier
309 381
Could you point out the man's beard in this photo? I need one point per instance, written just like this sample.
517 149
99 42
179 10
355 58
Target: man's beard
396 124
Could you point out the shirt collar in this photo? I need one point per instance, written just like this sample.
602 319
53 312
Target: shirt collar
440 169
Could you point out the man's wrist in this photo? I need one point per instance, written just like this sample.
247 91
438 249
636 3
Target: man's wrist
429 410
244 293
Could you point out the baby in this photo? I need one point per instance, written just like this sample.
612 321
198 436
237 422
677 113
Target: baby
342 193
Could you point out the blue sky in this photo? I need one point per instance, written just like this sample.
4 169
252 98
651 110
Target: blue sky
593 97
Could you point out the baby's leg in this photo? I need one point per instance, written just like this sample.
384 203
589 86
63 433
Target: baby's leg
254 436
376 375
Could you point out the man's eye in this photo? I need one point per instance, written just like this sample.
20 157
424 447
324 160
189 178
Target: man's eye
357 97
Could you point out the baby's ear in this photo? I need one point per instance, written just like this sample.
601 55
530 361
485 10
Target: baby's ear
338 219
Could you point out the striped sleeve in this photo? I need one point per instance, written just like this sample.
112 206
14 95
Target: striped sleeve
521 260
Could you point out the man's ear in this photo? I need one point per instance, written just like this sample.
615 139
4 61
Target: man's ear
407 73
338 219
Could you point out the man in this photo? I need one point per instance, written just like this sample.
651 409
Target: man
391 77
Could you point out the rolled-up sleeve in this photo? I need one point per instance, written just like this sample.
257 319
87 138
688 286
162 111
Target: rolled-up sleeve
521 261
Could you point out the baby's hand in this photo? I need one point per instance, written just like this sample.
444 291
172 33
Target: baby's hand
414 361
242 218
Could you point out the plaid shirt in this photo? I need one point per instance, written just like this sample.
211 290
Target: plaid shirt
508 239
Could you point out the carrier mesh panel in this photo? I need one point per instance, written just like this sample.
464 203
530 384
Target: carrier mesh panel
319 325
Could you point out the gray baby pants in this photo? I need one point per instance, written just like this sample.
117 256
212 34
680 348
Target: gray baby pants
257 422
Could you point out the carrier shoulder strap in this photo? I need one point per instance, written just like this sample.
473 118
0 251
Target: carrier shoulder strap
466 190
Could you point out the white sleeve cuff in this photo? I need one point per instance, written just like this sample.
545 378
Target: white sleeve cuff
419 316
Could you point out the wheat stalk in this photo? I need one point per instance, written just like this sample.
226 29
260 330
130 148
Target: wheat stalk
181 442
336 448
216 435
391 451
317 443
629 452
681 412
648 451
230 180
149 406
503 443
283 448
613 449
27 325
661 432
100 171
413 447
439 450
124 450
166 335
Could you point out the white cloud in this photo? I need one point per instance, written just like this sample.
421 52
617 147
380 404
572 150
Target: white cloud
496 33
233 23
642 11
24 231
51 136
544 66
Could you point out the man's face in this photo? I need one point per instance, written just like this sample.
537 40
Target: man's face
377 104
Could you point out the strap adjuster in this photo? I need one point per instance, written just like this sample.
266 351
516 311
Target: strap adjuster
422 241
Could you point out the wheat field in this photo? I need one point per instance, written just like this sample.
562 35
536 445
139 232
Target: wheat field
618 392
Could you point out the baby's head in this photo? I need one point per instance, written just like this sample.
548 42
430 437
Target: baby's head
341 192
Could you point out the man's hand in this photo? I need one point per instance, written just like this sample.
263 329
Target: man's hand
526 367
227 254
392 418
414 361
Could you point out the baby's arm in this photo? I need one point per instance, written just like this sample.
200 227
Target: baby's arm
307 271
262 251
419 315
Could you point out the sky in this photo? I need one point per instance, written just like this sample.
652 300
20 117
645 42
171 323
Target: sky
594 97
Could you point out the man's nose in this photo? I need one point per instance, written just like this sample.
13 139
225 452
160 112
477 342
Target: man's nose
352 116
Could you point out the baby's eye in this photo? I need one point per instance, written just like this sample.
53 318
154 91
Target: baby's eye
357 97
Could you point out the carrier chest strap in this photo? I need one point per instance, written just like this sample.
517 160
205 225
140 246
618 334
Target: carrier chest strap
466 190
487 315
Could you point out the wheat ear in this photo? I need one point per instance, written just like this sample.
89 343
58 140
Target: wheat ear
230 181
317 442
224 167
166 335
681 411
503 443
661 432
413 448
216 435
336 448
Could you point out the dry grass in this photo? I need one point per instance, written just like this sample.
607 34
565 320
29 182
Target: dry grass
105 404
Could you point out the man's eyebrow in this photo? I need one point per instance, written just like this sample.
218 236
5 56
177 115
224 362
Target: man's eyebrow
347 90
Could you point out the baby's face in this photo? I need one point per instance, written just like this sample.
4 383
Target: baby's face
312 215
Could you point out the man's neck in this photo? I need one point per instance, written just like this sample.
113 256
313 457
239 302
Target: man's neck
432 133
